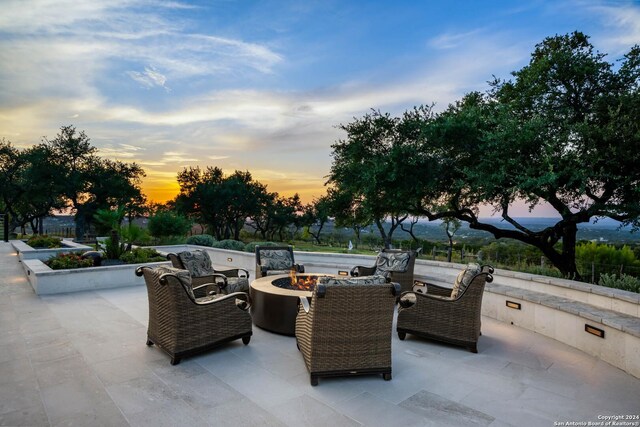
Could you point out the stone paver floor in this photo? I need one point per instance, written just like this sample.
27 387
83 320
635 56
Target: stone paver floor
81 359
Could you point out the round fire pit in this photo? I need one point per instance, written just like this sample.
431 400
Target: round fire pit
274 303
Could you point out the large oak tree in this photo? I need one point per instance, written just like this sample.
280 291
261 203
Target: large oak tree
564 132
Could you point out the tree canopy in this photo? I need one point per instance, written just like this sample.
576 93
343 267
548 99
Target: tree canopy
65 172
563 132
373 172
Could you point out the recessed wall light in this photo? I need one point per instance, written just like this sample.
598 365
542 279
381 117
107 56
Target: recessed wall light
593 330
514 305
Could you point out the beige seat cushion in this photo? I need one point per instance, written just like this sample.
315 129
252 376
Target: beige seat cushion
464 279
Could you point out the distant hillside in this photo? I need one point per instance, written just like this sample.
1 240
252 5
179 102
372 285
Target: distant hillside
605 230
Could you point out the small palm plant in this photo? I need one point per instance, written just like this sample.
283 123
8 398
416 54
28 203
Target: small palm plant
120 238
109 221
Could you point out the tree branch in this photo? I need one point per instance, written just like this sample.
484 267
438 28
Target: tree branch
506 217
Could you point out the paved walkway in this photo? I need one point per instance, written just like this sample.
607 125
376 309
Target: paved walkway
80 359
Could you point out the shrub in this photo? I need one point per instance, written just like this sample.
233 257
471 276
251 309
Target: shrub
604 259
233 245
251 246
68 261
113 249
44 241
201 240
168 223
624 282
141 255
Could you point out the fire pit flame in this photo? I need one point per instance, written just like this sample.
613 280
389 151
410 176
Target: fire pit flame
302 283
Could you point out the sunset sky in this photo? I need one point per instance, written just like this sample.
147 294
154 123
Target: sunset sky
260 86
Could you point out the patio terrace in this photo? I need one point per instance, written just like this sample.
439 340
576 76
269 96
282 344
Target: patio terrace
81 359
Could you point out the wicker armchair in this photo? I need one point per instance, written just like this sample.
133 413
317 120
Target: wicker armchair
397 265
347 327
272 260
199 266
443 314
181 324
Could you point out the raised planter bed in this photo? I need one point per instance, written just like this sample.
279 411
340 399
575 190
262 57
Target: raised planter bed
27 252
46 281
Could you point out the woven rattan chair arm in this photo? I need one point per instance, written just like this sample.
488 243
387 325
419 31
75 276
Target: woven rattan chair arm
439 298
163 278
206 285
242 296
361 270
405 302
234 272
220 280
304 302
436 290
486 268
395 288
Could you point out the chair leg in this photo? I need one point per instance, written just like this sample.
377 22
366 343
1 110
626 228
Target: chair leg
402 335
474 348
245 340
149 342
387 377
175 360
314 380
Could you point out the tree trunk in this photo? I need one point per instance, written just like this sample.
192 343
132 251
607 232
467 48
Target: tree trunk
80 226
565 261
450 250
385 238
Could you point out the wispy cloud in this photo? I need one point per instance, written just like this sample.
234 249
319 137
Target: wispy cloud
120 151
451 40
108 66
58 38
149 78
622 25
175 157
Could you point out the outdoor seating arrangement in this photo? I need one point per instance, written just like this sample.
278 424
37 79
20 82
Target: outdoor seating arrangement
347 327
198 263
396 265
271 260
443 314
182 324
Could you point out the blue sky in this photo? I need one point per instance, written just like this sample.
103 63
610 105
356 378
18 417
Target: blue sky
260 86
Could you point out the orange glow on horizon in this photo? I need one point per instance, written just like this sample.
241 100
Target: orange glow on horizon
162 192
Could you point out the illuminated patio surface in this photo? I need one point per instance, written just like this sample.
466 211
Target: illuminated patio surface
81 359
